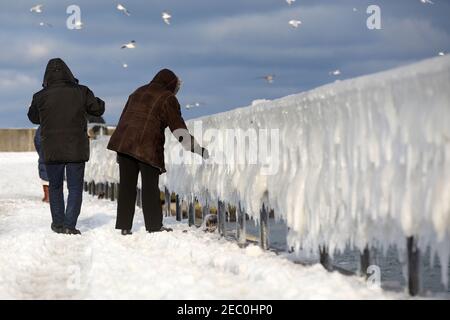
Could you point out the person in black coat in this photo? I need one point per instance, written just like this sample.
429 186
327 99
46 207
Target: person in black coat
61 108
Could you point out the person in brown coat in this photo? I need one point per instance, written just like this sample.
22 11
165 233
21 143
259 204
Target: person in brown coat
139 143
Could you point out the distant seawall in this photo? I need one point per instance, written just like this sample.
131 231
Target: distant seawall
22 140
17 140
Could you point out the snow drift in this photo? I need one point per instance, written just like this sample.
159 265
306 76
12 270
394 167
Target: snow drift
361 162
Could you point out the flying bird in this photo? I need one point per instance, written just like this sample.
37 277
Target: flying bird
270 78
37 8
194 105
79 25
427 1
45 24
123 9
335 73
166 16
295 23
290 2
129 45
124 65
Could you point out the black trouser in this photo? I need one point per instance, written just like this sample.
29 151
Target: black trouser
151 202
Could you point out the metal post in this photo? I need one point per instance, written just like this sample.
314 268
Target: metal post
113 192
205 210
167 201
221 217
240 230
139 198
264 228
325 260
85 186
191 212
177 208
413 266
365 262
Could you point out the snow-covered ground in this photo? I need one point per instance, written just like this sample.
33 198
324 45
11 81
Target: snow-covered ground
36 263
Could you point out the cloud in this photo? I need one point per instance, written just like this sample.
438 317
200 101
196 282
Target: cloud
219 48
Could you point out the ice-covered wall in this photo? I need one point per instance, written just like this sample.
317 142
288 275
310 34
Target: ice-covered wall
362 161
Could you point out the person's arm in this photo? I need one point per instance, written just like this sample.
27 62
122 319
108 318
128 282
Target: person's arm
179 129
94 106
33 112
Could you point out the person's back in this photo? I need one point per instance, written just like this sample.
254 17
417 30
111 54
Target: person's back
61 108
149 111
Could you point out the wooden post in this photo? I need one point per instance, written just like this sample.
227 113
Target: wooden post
177 208
167 201
364 262
325 260
264 228
241 234
221 217
413 266
191 212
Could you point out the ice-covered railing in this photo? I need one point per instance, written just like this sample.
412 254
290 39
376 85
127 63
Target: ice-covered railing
362 162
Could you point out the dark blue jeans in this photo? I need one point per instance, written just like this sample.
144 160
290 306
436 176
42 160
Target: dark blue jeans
62 216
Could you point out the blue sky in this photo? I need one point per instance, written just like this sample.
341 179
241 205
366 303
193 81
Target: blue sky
218 48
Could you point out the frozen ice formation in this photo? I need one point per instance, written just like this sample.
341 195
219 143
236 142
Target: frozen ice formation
362 162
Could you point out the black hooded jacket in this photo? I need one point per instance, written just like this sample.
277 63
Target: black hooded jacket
62 108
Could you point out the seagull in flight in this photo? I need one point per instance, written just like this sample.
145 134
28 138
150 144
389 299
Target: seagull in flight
120 7
295 23
45 24
427 2
270 78
129 45
335 73
166 16
37 8
290 2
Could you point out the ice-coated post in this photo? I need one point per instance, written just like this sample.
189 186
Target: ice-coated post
264 228
413 266
205 210
364 261
85 186
240 230
177 208
167 201
221 217
191 212
325 260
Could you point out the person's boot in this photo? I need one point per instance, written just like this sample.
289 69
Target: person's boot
163 229
46 194
70 231
126 232
57 229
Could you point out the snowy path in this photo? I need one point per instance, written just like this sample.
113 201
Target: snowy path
35 263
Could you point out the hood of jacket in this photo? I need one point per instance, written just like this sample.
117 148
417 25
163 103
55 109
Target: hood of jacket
167 79
57 71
